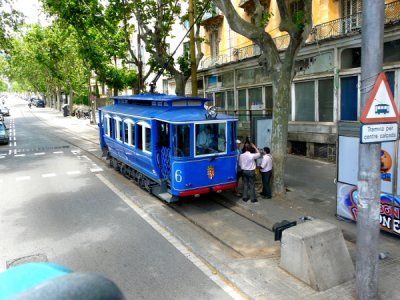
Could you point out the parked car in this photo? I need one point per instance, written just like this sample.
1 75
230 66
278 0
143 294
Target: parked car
40 103
3 134
5 111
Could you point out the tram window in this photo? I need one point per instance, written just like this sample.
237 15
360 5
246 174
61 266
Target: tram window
140 136
118 129
163 134
132 141
182 140
210 138
129 132
126 132
232 144
107 127
147 139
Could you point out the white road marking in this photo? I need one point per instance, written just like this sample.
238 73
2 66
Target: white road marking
48 175
15 144
92 149
94 170
21 178
1 180
75 151
19 155
40 153
175 242
2 156
73 172
58 152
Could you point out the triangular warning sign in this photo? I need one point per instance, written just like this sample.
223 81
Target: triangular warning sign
380 107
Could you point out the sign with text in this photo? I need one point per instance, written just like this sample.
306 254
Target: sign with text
377 133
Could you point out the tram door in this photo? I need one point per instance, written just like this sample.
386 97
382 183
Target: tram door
164 149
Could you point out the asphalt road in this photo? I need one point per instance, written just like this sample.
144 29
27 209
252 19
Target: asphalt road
58 201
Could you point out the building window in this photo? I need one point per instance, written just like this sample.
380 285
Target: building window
314 101
165 86
348 98
349 101
214 43
325 100
242 105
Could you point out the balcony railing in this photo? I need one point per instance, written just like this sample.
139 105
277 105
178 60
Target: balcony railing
334 29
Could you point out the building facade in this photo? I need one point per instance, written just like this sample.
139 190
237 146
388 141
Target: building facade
325 89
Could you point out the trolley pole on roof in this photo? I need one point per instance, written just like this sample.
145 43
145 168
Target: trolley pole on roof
193 66
369 178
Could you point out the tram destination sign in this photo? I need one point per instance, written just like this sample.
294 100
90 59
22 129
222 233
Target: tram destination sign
377 133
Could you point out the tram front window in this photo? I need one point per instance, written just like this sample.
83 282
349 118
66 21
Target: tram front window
182 140
210 138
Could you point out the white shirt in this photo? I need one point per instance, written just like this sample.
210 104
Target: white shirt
247 161
203 139
266 164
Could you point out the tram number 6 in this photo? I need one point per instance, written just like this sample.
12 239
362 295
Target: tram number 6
178 176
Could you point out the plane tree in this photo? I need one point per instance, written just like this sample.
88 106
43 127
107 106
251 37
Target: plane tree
101 41
295 20
46 60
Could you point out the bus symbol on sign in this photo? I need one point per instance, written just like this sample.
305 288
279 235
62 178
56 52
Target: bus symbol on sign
382 109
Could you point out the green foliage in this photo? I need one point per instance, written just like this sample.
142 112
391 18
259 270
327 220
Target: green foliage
298 19
45 60
3 86
184 63
10 20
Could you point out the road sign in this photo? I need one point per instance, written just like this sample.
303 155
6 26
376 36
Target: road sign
377 133
380 107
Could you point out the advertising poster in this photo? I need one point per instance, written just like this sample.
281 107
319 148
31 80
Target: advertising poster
347 194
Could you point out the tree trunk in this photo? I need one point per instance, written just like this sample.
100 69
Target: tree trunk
180 83
281 96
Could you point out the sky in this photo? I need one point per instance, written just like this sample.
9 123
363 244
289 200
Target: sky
32 10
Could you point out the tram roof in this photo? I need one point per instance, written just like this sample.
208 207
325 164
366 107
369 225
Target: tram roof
148 97
178 114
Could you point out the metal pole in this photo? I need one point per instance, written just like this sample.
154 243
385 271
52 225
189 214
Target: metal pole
193 66
369 181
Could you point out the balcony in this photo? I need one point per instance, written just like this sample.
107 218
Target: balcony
338 28
212 19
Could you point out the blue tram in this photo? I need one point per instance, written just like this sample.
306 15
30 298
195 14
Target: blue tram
170 145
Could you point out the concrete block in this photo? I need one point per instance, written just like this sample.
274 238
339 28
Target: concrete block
315 252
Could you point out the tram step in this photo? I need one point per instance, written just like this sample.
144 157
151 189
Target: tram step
167 197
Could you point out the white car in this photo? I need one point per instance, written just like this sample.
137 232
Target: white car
5 111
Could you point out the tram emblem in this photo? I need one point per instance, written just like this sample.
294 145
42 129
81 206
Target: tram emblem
210 172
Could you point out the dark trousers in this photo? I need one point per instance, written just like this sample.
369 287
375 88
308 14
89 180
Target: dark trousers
249 180
266 178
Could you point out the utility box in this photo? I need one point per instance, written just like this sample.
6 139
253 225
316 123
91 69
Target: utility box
315 252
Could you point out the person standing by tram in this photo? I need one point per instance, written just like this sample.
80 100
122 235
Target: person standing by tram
266 172
247 162
239 171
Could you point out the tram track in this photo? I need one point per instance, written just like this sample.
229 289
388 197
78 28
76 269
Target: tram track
227 225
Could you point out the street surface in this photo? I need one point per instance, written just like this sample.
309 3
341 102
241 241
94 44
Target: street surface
60 202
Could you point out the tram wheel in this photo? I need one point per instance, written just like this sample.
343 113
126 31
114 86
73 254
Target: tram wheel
115 164
124 169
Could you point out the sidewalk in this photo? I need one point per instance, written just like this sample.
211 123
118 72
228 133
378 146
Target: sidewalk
311 192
